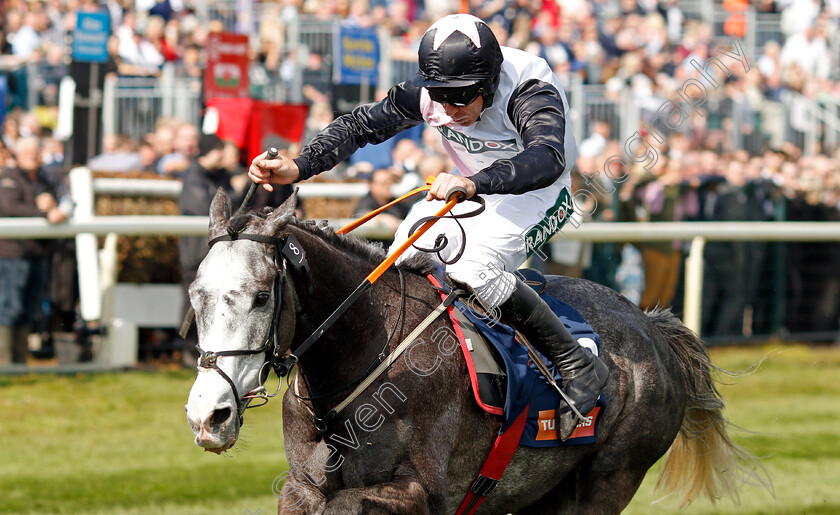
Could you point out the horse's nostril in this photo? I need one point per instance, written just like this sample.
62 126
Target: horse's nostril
220 416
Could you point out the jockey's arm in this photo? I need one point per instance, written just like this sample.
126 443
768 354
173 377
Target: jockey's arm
369 123
536 110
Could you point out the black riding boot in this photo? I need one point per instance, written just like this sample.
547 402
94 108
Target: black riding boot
584 374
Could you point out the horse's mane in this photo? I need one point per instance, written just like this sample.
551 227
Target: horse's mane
370 250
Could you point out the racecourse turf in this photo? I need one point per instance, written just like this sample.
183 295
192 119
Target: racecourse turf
118 443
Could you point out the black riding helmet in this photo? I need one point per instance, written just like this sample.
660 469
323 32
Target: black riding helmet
459 51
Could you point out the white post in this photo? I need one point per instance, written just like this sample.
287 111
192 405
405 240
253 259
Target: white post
109 105
167 89
577 106
123 342
386 64
81 189
119 345
692 316
108 268
751 32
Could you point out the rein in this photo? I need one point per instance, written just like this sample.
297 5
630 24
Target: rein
322 423
420 228
287 250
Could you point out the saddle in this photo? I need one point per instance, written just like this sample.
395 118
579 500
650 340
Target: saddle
505 382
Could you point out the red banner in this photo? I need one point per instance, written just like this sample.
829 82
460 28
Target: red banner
226 75
252 123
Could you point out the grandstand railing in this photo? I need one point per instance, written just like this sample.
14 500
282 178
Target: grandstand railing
698 9
812 124
133 105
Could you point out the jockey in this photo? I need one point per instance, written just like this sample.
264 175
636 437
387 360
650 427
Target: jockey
503 117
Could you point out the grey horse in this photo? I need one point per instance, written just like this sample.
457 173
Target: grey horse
413 443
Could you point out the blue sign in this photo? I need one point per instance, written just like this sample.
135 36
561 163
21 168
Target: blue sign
357 56
90 39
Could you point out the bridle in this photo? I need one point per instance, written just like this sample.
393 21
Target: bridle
287 251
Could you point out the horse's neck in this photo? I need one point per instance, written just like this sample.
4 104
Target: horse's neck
352 343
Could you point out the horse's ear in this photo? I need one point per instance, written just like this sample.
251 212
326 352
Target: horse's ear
219 210
282 215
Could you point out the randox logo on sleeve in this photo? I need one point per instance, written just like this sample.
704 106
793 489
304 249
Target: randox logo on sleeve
552 222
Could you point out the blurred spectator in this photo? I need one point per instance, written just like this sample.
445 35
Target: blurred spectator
191 65
26 39
596 143
155 33
799 15
185 146
231 159
380 194
148 156
808 51
165 9
162 140
23 263
11 128
203 178
723 200
119 154
768 64
320 115
405 156
136 51
658 198
29 124
430 166
52 152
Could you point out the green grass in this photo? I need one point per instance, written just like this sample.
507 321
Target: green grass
119 443
790 411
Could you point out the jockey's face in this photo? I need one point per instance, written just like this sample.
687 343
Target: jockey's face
465 115
463 105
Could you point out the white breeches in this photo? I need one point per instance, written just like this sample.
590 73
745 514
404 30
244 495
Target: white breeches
495 239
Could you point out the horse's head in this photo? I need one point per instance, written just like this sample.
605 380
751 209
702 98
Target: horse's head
244 304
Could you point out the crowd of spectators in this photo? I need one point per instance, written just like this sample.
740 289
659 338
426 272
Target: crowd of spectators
641 48
743 282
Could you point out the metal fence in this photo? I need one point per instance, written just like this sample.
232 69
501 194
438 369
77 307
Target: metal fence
697 9
811 124
133 105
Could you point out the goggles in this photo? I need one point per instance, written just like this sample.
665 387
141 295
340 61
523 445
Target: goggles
457 97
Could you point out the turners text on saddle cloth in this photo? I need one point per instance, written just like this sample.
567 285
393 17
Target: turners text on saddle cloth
503 119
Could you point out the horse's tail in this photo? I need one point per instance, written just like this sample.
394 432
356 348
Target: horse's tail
703 460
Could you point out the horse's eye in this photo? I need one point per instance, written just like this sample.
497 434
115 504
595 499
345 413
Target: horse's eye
262 298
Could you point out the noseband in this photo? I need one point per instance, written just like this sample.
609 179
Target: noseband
287 250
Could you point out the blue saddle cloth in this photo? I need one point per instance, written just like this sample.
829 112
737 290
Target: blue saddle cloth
525 384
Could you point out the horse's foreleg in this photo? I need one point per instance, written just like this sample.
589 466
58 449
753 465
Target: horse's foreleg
405 496
299 498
